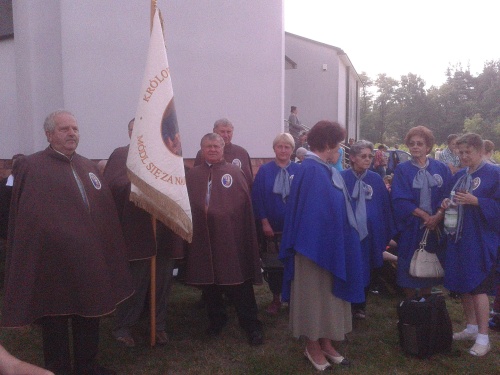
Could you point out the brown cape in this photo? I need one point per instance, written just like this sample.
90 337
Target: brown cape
136 223
63 256
224 250
236 155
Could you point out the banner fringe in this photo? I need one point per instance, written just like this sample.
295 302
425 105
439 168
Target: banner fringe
157 204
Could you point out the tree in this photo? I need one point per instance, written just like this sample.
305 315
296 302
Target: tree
412 109
390 108
366 110
384 104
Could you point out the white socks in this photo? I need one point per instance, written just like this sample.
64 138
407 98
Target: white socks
482 339
471 328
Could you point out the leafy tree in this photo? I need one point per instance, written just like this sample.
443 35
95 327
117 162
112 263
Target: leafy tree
384 104
412 106
464 103
474 124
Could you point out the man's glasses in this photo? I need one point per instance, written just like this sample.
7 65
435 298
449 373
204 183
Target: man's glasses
419 144
365 156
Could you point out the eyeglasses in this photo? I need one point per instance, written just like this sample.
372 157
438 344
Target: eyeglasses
419 144
364 156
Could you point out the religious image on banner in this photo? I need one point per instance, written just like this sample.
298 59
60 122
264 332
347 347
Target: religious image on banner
170 130
155 164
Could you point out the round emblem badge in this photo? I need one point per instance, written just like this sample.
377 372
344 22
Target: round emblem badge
95 181
236 162
439 179
475 183
227 180
368 191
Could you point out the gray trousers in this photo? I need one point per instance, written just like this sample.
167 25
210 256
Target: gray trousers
129 311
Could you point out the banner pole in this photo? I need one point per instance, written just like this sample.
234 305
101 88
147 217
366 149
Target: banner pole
152 304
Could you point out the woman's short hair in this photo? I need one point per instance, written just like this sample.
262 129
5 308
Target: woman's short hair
359 146
301 151
471 140
423 132
489 146
325 134
284 137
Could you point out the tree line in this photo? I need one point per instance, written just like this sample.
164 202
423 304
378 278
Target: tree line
464 103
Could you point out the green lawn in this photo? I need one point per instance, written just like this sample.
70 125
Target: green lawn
373 345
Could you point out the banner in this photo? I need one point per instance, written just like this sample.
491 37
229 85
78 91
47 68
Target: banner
155 164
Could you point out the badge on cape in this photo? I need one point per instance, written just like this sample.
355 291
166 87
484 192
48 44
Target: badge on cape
439 179
95 181
475 183
227 180
368 191
236 162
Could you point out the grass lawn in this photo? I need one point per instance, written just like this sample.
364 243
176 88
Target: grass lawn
373 345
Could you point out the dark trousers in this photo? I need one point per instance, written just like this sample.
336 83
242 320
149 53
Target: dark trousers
274 278
56 351
243 298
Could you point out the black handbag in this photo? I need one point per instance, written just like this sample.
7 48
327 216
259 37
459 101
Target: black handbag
269 253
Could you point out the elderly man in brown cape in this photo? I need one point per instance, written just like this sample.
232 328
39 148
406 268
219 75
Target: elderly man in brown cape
233 154
138 232
65 250
224 255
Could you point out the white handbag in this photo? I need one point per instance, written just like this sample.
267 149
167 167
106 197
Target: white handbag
424 264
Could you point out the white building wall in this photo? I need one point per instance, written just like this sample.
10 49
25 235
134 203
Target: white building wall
226 59
313 89
319 93
9 138
342 94
353 116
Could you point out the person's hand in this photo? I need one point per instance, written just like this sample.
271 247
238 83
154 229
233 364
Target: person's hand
267 229
445 203
466 198
433 221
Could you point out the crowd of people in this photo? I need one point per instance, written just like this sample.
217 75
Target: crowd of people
317 219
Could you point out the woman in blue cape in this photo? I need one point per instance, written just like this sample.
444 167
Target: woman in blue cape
321 250
472 246
270 191
372 208
418 188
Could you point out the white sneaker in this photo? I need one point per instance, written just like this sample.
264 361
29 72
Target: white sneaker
464 335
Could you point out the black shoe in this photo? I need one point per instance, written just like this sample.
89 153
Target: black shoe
216 325
255 338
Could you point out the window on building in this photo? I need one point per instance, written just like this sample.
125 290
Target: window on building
6 20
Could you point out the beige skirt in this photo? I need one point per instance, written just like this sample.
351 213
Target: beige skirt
314 311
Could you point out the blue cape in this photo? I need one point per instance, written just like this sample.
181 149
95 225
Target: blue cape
405 199
316 226
381 228
266 204
472 258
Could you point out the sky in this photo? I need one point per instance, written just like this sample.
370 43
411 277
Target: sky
399 37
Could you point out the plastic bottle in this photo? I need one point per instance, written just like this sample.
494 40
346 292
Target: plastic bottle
451 216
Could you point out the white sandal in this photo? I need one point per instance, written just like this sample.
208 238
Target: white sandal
479 350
